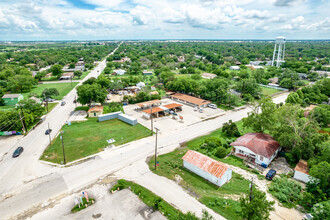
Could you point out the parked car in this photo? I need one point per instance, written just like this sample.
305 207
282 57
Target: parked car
63 103
210 105
201 110
49 100
48 131
270 175
195 109
18 151
308 216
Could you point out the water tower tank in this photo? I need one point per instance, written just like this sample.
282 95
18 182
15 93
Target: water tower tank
280 40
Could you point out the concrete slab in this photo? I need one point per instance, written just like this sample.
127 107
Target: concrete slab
78 116
170 124
121 205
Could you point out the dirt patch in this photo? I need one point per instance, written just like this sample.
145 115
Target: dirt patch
232 197
80 139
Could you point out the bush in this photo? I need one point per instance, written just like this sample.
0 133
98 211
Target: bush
285 190
76 208
230 129
221 152
211 143
321 210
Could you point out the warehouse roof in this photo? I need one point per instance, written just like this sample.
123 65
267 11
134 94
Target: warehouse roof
205 163
190 99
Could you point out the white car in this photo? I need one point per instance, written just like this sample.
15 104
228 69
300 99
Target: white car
195 109
201 110
212 106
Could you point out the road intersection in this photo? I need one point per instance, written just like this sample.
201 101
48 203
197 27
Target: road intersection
26 183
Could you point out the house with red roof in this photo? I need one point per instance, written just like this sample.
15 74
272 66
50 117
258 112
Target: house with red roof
212 170
259 148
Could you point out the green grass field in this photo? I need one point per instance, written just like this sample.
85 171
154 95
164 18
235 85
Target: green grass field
63 89
269 91
221 199
85 138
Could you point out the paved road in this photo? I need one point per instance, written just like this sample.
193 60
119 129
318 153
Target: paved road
39 176
60 81
15 173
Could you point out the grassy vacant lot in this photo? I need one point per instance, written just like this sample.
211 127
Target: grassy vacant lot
170 166
222 200
85 138
63 89
269 91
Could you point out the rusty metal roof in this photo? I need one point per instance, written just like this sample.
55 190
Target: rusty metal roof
154 110
302 167
206 163
172 105
98 108
190 99
261 144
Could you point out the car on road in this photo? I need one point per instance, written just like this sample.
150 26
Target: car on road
49 100
48 131
18 151
270 175
63 103
210 105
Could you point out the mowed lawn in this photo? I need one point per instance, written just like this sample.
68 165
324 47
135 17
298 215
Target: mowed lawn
85 138
62 88
269 91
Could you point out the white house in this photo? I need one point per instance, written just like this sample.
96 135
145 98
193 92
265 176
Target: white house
258 147
234 68
214 171
140 85
301 172
120 72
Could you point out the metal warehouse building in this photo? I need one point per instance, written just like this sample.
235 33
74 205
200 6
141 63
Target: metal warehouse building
214 171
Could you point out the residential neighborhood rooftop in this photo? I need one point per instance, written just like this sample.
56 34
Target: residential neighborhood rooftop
96 109
260 143
302 166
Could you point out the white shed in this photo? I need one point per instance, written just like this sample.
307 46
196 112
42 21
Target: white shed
234 68
214 171
120 72
301 172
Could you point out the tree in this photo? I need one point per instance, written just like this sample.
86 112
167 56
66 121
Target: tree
104 82
230 129
258 208
248 87
91 93
321 210
49 93
21 83
56 70
321 173
77 73
72 66
293 98
261 117
322 115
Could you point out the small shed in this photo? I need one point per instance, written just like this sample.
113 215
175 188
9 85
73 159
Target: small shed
12 99
234 68
95 111
147 73
214 171
208 75
301 171
119 72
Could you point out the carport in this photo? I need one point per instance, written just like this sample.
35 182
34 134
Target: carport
162 110
174 107
148 104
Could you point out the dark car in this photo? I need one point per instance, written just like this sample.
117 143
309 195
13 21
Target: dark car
63 103
48 131
270 175
18 151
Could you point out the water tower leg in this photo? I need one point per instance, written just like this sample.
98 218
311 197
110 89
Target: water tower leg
279 55
274 55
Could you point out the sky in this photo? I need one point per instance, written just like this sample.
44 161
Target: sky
26 20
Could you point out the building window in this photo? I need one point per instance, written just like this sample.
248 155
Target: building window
240 151
261 158
252 155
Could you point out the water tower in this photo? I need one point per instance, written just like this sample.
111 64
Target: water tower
280 49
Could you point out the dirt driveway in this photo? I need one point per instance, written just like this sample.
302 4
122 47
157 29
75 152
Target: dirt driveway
280 212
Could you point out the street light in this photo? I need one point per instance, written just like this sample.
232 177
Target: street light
63 147
156 148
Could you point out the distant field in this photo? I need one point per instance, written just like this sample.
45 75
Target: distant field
269 91
89 137
63 89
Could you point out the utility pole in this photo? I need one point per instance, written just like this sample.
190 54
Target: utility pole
156 148
71 81
251 186
63 147
152 125
21 122
22 119
50 139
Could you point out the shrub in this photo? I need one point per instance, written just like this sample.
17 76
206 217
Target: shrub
285 190
221 152
211 143
230 129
